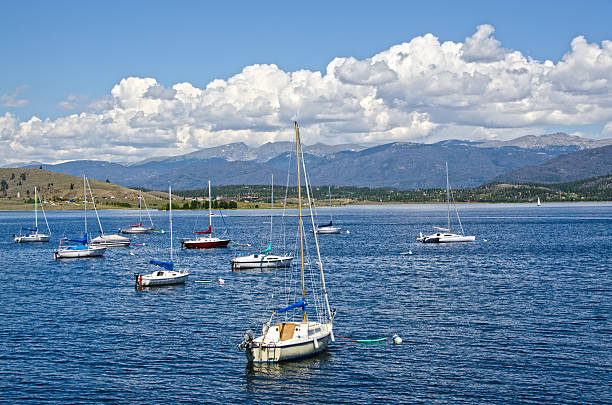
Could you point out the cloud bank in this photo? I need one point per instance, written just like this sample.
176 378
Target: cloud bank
421 90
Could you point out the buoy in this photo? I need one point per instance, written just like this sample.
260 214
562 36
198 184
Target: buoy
396 340
347 231
484 240
410 252
221 281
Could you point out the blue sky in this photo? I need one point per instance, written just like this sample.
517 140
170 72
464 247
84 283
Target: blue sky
58 57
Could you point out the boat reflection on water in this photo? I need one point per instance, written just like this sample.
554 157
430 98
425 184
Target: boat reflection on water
288 376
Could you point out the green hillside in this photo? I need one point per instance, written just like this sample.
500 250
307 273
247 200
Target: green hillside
58 189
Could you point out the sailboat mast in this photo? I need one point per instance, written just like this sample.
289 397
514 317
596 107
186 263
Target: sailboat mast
170 197
35 210
85 203
140 208
331 214
447 199
209 210
301 226
271 207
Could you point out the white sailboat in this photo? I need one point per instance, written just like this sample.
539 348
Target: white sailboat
166 276
209 241
444 235
79 247
104 239
139 228
32 234
328 228
263 259
290 340
539 203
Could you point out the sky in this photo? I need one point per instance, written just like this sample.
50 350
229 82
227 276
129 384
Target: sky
127 81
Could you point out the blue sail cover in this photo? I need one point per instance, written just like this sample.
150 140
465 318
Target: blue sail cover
301 303
326 225
268 249
29 229
165 265
82 240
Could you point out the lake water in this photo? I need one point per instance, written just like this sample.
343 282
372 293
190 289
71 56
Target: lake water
522 317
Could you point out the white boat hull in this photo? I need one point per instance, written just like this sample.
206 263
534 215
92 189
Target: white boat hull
161 278
111 241
264 350
446 238
259 261
32 238
136 230
328 230
92 251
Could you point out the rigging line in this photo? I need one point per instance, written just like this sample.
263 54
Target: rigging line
94 205
457 212
44 215
147 209
320 263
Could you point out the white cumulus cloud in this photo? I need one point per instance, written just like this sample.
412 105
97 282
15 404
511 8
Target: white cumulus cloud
420 90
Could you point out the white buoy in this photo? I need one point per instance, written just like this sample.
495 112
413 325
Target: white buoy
410 252
221 281
347 231
396 340
484 240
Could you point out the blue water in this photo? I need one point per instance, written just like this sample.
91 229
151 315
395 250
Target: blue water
522 317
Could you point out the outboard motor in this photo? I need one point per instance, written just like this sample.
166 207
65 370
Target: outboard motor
248 338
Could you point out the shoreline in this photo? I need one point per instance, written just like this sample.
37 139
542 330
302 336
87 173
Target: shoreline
30 207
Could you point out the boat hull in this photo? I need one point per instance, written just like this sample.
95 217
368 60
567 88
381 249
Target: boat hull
279 352
165 278
32 238
136 230
111 241
446 239
326 230
96 251
205 243
260 261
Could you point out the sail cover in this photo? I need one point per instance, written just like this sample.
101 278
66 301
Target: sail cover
204 232
29 229
325 225
301 303
137 225
165 265
268 249
83 240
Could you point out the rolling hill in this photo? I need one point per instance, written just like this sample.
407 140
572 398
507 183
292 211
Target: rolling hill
17 185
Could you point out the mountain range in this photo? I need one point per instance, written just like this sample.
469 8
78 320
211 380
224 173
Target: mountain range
401 165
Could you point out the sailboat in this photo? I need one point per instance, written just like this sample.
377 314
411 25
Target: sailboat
444 235
104 239
166 276
33 235
328 228
139 228
80 247
208 241
263 259
290 340
539 203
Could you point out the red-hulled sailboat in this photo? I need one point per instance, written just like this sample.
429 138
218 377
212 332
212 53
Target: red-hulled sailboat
208 241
